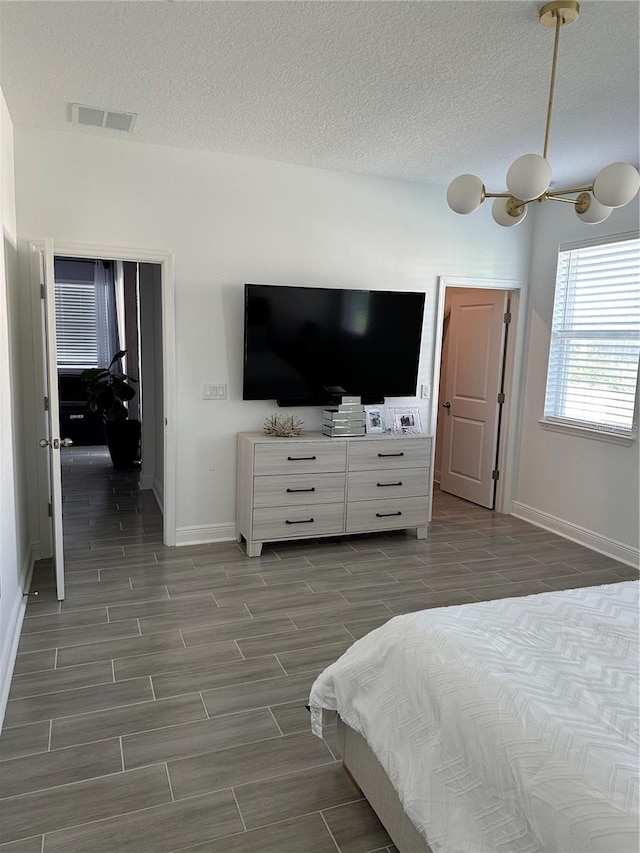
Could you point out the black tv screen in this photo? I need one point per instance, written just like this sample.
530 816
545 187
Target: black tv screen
303 343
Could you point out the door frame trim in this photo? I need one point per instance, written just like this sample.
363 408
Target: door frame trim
514 372
166 261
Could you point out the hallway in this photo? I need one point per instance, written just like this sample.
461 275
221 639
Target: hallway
160 707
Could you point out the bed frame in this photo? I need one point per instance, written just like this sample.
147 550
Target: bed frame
368 774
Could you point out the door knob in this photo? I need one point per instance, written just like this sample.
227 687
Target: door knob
44 442
446 405
66 442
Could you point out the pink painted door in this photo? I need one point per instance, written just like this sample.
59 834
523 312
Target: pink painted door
470 407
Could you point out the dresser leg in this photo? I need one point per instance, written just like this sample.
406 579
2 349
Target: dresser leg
421 532
254 549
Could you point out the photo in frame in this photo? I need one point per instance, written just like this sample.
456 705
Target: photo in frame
405 421
374 422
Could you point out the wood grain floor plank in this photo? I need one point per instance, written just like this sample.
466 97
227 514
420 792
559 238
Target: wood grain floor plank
213 631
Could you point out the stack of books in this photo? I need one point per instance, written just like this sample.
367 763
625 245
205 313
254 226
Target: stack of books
347 418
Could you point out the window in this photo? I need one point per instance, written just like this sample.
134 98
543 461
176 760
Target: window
595 338
85 318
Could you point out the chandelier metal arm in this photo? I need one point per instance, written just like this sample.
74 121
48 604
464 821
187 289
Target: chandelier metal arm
552 196
496 195
547 197
586 189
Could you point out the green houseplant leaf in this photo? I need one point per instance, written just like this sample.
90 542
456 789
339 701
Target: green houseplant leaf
109 390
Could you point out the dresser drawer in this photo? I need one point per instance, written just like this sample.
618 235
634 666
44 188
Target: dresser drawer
298 489
292 457
389 453
387 483
297 522
387 514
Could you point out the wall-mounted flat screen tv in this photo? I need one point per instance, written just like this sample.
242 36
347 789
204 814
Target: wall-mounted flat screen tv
303 343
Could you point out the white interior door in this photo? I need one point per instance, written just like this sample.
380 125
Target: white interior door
470 407
52 442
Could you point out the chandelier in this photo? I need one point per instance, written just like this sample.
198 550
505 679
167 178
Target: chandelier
529 177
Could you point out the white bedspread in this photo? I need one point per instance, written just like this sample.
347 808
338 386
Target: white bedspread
505 726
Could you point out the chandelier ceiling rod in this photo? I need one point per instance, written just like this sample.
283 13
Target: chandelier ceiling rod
529 177
559 20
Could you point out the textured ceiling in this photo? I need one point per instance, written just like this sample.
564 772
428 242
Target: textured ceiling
413 90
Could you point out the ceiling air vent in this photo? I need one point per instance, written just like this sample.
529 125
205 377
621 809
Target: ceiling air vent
96 117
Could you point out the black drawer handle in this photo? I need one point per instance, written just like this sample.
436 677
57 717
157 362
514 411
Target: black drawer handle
304 521
312 489
382 485
382 455
300 458
387 514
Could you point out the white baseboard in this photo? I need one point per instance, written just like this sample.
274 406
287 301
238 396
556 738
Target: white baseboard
9 646
595 541
197 535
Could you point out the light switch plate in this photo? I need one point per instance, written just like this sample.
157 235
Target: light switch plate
214 391
425 392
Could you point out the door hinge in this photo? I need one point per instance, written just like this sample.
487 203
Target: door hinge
46 404
507 318
50 510
42 291
501 397
495 475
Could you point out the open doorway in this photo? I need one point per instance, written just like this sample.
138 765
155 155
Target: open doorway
105 307
154 273
475 406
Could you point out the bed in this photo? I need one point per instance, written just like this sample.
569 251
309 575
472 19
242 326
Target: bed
506 726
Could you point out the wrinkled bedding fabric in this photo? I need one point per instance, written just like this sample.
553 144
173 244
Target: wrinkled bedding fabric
506 726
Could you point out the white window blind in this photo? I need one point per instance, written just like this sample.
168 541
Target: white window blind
595 337
84 324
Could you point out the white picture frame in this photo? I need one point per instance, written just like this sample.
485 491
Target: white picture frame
373 419
405 420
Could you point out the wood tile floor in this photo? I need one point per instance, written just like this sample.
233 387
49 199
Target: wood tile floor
161 706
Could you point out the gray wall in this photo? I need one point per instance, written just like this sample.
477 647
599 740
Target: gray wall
229 220
588 485
15 545
150 289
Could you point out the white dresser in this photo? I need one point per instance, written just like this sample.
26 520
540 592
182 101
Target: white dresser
314 486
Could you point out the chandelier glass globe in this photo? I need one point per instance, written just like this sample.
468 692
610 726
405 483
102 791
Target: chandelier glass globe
529 177
616 185
595 213
465 194
502 216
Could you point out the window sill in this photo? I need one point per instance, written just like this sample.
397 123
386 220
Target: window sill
587 432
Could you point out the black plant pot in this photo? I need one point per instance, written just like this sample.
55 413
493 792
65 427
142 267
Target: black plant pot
123 441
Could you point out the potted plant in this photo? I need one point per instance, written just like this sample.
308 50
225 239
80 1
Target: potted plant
109 391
